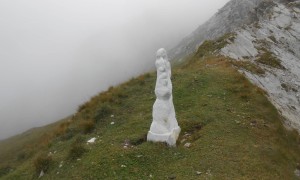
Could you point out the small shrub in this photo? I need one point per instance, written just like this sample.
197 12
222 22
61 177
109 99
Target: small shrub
68 134
257 25
62 128
22 156
268 59
77 149
46 140
285 87
103 111
118 92
42 163
248 66
208 47
87 126
273 39
4 170
106 97
121 94
82 107
244 96
141 79
147 75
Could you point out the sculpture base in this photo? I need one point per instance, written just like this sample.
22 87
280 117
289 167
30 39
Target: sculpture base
169 138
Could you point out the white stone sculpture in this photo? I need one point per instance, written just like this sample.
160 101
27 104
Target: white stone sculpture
164 127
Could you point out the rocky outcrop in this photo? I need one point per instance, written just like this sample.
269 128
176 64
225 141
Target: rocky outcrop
276 33
267 35
233 15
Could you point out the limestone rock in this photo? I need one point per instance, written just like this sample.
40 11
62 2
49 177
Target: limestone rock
278 32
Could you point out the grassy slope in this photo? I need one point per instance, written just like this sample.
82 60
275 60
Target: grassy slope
234 130
17 148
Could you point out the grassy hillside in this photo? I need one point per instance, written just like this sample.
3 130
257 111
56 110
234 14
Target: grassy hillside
234 131
17 149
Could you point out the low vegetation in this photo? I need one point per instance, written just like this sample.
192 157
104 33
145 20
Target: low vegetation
248 66
87 126
269 59
234 131
42 163
77 149
22 148
209 47
288 87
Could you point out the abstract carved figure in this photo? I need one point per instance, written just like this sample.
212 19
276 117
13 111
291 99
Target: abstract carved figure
164 127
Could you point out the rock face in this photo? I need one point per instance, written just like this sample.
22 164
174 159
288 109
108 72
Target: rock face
266 34
277 32
164 127
233 15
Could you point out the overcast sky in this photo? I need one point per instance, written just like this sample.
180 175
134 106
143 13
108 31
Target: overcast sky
56 54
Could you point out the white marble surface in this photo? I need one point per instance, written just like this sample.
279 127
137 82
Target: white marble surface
164 127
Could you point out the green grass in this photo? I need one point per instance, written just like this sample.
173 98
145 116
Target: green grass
269 59
248 66
234 131
210 47
20 148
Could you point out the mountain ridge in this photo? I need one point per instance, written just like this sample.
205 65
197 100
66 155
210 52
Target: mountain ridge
278 37
231 16
233 130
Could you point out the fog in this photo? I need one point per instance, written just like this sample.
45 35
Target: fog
56 54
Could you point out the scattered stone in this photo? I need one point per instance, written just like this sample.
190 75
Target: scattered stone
92 140
187 145
112 123
253 123
123 166
138 156
151 176
208 172
182 141
78 159
57 172
297 172
41 174
112 116
186 135
60 164
126 144
198 172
